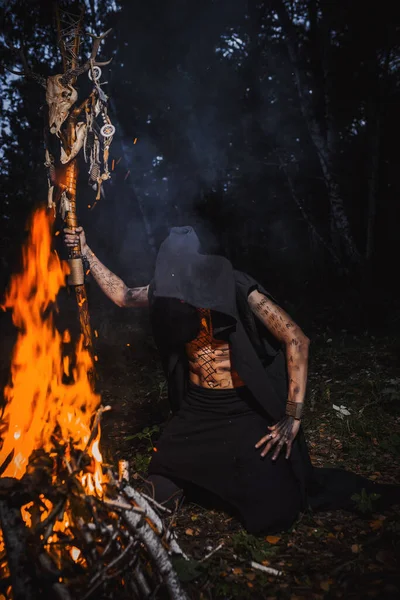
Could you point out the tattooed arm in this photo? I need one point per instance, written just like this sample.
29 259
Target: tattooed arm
110 283
296 344
113 286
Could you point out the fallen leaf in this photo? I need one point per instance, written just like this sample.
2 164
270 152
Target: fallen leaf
273 539
237 571
355 548
249 584
194 517
325 585
250 576
265 563
189 531
375 524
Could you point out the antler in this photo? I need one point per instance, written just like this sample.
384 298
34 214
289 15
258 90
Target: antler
27 72
72 73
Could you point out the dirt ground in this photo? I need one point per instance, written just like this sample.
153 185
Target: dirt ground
327 555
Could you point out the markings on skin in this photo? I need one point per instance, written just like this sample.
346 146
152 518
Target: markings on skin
113 285
136 296
209 358
286 331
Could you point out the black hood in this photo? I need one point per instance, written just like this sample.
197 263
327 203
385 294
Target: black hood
201 280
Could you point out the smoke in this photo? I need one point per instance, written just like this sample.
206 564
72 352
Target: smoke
178 89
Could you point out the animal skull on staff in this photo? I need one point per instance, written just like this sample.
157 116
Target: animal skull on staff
75 126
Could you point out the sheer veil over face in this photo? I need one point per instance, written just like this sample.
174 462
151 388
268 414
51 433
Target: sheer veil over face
184 273
186 279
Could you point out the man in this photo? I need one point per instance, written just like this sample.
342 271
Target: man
236 365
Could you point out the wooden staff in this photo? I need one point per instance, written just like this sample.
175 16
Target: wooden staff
76 277
59 88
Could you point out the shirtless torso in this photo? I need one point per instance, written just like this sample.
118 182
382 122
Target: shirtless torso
209 359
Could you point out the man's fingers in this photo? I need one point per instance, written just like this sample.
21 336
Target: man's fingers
270 444
279 448
267 448
288 449
263 440
73 231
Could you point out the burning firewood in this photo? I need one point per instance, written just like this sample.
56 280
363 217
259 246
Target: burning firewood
70 527
78 545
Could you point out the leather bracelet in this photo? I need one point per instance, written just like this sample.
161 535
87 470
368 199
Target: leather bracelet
294 409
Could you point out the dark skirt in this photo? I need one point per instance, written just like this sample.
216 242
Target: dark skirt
210 443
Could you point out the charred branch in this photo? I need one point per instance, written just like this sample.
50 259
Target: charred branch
84 543
16 544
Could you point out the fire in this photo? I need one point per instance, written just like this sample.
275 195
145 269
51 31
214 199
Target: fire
50 395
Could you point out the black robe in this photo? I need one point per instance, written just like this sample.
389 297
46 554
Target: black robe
210 440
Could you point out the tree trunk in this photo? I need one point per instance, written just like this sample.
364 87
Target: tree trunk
374 124
373 179
322 138
253 132
313 229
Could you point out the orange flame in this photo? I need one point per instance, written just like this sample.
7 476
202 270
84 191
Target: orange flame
40 404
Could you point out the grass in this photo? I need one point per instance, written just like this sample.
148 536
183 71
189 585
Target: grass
327 555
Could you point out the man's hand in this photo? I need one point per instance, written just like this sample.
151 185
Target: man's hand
283 432
73 237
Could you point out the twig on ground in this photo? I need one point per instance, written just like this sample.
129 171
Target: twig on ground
268 570
156 504
207 556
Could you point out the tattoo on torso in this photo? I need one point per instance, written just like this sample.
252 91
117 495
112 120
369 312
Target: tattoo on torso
209 359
